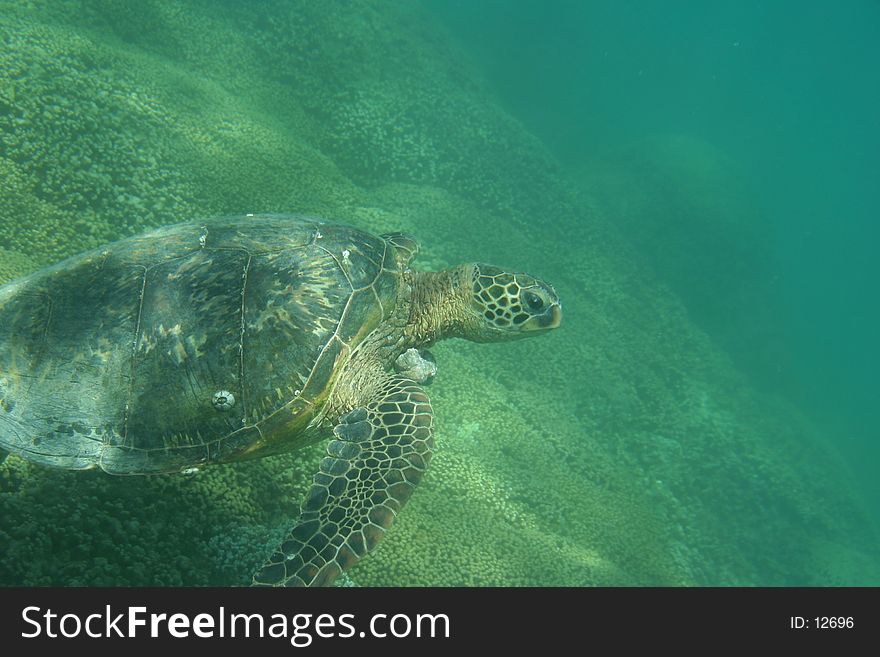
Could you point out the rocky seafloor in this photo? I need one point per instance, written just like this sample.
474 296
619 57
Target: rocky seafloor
623 449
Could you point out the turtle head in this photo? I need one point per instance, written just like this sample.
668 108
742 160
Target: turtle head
510 305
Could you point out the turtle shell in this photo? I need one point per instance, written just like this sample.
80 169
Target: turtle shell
200 342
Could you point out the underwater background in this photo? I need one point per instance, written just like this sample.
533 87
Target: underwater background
697 181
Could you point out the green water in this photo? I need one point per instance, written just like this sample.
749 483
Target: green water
751 129
697 183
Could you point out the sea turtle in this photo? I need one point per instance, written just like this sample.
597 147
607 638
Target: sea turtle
239 337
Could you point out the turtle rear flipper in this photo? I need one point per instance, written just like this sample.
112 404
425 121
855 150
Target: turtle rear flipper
374 462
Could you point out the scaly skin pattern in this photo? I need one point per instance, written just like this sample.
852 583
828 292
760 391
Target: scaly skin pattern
374 462
235 338
384 437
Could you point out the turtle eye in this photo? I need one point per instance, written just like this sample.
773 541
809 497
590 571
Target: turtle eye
533 301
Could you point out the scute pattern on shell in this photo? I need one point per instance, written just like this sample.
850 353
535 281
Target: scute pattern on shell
112 358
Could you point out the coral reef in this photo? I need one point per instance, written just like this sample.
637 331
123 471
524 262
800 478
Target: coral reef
90 529
622 449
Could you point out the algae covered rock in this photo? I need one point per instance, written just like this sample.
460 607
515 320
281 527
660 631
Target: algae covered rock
624 449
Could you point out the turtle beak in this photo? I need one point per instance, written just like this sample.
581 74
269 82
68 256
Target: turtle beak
555 316
549 319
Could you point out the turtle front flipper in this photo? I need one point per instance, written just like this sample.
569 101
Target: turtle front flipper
374 462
